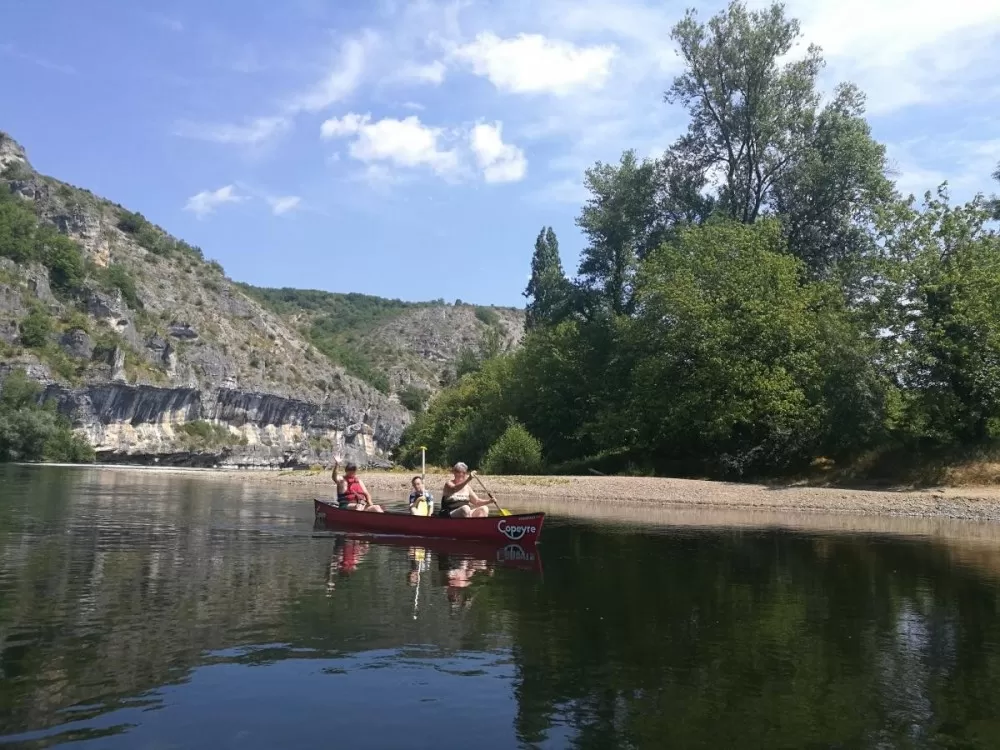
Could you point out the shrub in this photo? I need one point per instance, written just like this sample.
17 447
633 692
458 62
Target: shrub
30 431
17 229
118 277
16 170
36 328
64 260
487 315
413 398
515 452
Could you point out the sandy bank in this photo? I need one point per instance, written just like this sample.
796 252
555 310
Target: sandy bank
551 493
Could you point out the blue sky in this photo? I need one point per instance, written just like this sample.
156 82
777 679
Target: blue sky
414 148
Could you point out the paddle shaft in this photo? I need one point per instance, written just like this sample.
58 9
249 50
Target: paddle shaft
490 495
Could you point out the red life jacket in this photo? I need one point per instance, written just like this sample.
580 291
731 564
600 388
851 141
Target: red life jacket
354 492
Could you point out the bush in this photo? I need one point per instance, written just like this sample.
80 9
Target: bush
30 431
413 398
118 277
487 315
64 260
17 229
36 328
16 170
515 452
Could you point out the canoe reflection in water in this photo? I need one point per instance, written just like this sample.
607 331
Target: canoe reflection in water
457 562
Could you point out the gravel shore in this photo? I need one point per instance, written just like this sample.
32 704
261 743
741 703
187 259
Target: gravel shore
572 493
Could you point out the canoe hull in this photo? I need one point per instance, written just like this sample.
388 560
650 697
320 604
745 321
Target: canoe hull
520 528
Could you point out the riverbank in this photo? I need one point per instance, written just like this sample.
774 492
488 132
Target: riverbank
528 493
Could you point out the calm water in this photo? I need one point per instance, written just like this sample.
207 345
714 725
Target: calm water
146 611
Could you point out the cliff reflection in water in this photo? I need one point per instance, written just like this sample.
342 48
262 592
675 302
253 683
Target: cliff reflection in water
123 591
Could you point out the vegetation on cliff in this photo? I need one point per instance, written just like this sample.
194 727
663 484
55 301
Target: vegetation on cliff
757 299
411 349
31 431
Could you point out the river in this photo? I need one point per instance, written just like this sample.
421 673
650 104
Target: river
146 610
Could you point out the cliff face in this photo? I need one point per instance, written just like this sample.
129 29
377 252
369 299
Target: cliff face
156 355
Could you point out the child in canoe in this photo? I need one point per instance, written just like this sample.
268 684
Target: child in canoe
421 501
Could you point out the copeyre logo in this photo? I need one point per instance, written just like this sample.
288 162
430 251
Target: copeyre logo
514 553
514 531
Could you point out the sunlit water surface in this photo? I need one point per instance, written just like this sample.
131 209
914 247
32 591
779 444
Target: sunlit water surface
164 611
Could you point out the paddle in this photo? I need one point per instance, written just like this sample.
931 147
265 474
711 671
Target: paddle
490 494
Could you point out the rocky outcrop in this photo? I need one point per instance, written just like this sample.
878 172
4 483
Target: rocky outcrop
146 424
160 339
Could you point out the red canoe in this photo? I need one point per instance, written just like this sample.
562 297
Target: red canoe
523 528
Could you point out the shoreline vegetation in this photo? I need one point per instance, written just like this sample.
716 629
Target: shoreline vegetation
760 303
635 498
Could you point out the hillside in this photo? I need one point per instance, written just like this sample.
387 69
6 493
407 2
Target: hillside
152 351
407 348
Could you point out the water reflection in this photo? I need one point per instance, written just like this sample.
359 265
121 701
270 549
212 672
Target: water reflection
142 611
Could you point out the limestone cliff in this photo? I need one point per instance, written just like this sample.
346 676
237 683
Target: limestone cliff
154 353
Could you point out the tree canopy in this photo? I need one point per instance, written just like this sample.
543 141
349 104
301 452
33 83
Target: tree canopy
758 297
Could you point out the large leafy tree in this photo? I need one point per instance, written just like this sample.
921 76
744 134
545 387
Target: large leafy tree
548 291
620 221
730 349
750 117
758 128
944 335
830 196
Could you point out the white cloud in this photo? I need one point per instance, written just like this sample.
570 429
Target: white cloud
402 143
284 204
500 162
340 81
250 133
532 63
432 73
963 161
205 202
343 78
903 52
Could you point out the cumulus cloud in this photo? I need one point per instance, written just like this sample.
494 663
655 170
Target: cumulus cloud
403 143
204 203
532 63
500 162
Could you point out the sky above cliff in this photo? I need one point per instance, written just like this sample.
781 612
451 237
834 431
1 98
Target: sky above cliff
413 148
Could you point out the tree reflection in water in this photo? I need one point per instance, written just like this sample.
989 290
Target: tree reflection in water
115 587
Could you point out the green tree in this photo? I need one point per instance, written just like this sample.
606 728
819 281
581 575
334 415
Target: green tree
944 340
831 195
63 258
548 290
30 431
750 117
729 376
620 221
36 327
17 229
516 451
414 398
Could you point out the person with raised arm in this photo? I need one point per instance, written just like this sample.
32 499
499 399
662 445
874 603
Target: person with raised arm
351 491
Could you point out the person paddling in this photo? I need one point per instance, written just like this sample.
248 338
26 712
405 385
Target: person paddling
351 491
458 500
